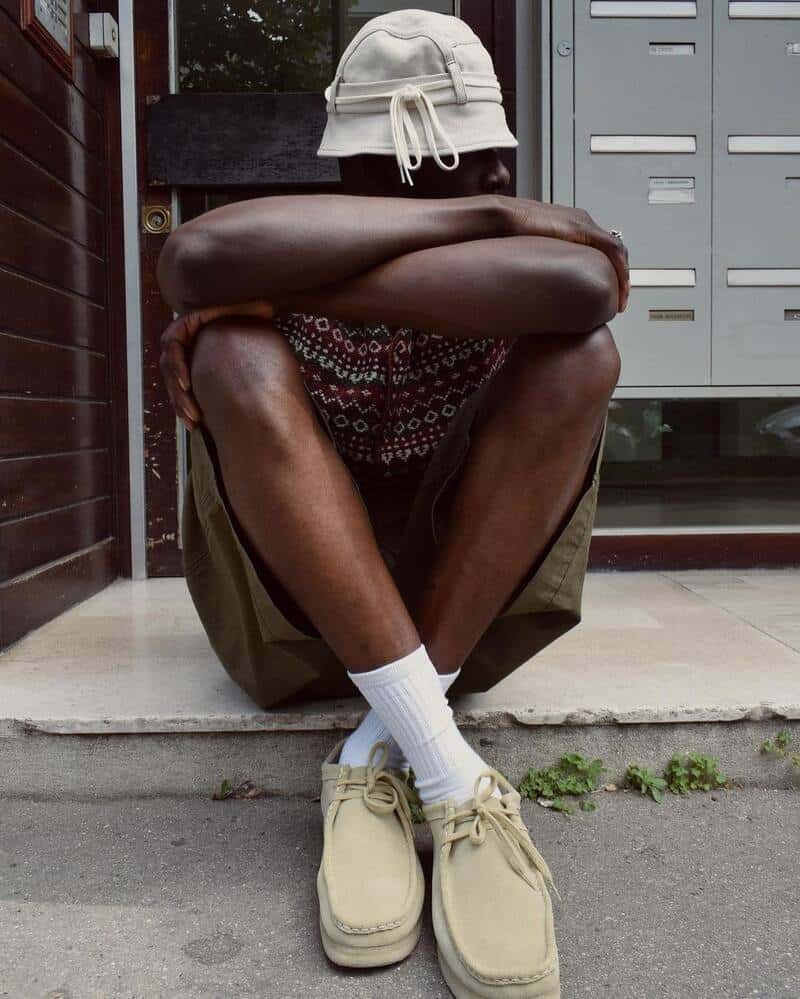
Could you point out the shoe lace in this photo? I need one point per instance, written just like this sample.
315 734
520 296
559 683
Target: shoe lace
506 823
381 790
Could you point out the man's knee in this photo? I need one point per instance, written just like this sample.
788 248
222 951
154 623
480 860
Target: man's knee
245 378
598 365
572 375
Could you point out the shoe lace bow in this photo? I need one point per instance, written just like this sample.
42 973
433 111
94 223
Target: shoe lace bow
503 819
381 790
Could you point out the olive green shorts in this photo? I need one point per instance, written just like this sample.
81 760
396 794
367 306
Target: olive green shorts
269 647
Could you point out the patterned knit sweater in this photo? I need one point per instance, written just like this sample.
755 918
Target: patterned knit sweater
387 398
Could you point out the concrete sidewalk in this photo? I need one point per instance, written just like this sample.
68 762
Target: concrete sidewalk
192 898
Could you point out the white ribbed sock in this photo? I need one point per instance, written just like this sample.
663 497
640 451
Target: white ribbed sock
408 699
371 729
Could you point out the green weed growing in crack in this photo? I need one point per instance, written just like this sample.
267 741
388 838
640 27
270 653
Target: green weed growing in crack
246 790
781 746
641 779
573 776
693 772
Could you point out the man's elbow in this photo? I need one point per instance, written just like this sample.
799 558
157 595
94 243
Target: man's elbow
179 268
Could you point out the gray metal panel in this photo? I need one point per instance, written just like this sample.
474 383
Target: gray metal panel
756 204
623 86
671 96
753 343
756 209
666 351
756 81
562 81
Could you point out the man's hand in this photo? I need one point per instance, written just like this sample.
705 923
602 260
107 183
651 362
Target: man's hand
176 341
574 225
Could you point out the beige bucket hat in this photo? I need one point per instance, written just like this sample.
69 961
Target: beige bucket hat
413 83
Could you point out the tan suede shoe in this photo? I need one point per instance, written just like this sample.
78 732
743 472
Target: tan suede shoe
491 908
370 883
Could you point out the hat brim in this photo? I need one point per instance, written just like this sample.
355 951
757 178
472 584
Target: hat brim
471 126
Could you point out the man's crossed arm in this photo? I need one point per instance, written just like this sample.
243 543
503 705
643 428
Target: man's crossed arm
479 266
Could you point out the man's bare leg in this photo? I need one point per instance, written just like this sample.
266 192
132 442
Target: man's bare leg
524 472
293 495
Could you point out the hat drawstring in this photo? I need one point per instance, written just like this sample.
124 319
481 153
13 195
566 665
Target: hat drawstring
403 127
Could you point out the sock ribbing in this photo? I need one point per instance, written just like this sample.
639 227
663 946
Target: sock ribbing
408 698
371 729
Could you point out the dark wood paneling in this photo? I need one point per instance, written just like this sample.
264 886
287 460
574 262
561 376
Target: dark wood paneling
84 70
479 15
49 89
58 512
504 43
33 599
42 426
33 541
30 130
662 552
34 309
30 247
31 367
29 189
237 140
33 485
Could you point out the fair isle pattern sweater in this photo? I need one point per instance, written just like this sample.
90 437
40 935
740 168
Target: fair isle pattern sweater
387 398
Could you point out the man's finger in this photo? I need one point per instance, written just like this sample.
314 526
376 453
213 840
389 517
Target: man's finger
182 402
176 361
615 251
183 415
186 405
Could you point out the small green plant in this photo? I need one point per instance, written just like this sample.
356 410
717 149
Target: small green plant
573 776
676 775
693 772
780 746
704 773
224 792
641 779
246 790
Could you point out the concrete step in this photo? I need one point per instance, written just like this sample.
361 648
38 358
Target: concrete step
123 696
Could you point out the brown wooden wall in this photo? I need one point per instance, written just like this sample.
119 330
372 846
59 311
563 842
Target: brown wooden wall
61 329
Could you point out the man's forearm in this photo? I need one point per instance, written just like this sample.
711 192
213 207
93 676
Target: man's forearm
516 286
274 246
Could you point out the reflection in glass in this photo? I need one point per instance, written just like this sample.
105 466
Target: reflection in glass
354 14
267 45
701 463
278 46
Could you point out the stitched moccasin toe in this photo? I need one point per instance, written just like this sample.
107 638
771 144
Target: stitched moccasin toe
370 883
491 906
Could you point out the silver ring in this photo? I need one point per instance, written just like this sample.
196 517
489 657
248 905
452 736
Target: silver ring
616 234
